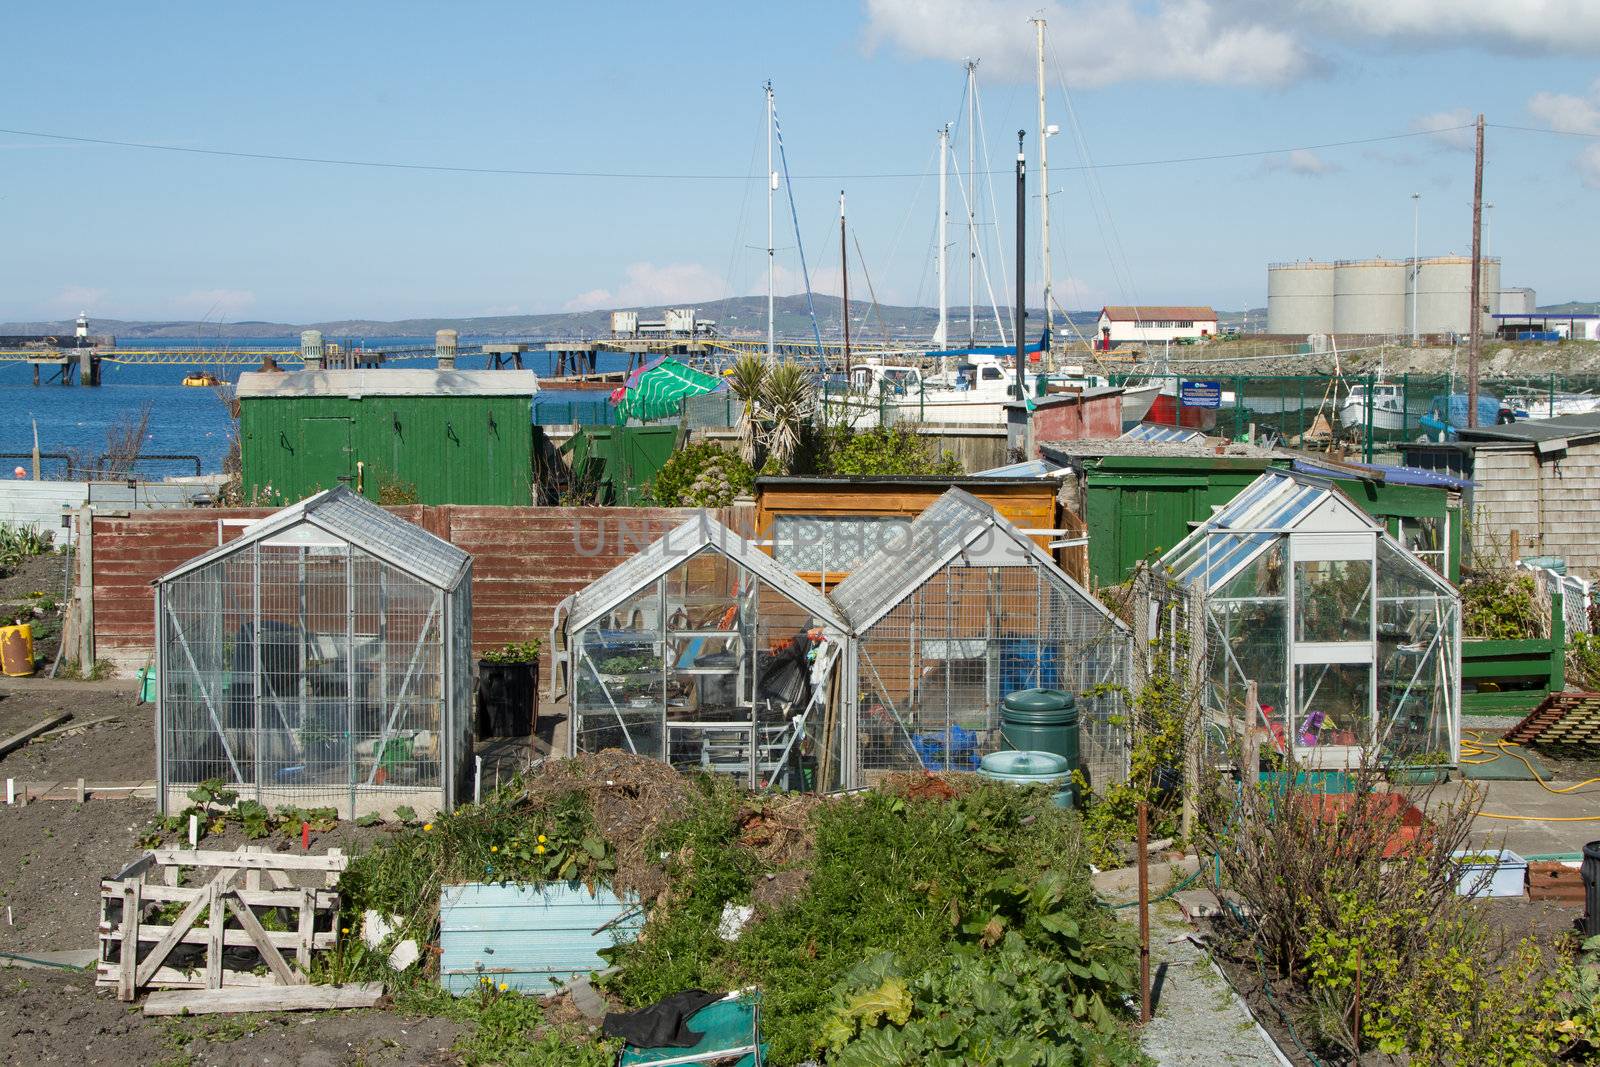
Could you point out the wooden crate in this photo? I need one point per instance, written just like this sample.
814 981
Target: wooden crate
235 890
1549 880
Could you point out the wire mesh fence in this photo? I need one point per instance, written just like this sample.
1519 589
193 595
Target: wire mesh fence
932 673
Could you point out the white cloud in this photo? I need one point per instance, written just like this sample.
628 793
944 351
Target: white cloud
1301 161
1251 42
1449 129
214 303
1101 43
647 284
1569 114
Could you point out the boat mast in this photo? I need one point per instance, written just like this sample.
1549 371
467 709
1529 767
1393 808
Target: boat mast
772 185
944 217
844 283
972 207
1044 174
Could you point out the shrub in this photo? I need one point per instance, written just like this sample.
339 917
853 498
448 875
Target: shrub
701 476
886 452
514 652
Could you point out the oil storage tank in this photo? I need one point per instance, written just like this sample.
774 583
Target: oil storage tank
1370 296
1444 294
1300 298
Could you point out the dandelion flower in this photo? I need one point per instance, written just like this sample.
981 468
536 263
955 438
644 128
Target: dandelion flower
504 987
427 826
541 839
539 849
344 929
494 848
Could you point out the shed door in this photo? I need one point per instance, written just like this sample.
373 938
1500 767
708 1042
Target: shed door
325 458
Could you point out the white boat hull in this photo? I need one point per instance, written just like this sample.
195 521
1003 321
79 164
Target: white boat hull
1385 416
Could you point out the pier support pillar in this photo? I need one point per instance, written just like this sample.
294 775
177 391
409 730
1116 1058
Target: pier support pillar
88 367
445 343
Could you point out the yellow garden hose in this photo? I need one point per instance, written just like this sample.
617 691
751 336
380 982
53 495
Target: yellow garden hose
1474 745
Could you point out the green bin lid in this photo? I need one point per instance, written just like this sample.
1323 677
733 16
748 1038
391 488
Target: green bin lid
1039 700
1014 764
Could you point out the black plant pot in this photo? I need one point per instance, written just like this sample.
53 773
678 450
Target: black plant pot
508 699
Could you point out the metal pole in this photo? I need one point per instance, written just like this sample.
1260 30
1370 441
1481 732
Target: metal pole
772 185
1475 319
844 282
1022 261
1144 912
944 217
972 207
1044 173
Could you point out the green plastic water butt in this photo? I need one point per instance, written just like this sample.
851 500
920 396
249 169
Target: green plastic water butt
1031 768
1041 720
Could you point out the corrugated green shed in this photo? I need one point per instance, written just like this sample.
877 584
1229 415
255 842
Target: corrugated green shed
1137 507
399 436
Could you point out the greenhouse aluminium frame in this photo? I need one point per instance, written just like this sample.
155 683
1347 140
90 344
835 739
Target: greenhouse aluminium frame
702 651
1352 641
951 614
320 659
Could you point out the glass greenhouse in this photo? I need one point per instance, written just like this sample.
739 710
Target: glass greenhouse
321 659
701 651
1353 642
953 613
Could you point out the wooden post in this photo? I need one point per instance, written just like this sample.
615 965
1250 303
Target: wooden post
1194 726
83 522
1516 546
1144 912
1250 772
1475 319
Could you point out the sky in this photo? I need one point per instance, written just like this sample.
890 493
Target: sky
1327 116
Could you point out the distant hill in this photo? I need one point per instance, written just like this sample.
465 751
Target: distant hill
744 316
1571 307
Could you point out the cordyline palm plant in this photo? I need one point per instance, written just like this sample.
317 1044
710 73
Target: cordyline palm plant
787 399
747 379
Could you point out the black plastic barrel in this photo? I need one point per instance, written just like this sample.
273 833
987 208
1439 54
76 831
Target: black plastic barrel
1591 889
507 695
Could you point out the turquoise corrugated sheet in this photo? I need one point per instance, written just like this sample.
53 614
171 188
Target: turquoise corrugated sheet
528 937
727 1024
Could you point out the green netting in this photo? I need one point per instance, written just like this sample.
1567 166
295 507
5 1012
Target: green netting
660 390
729 1028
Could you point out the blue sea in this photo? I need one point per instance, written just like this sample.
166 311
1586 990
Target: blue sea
184 420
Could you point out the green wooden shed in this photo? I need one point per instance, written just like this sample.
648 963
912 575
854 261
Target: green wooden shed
421 436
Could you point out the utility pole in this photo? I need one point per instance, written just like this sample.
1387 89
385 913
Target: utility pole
972 205
772 185
942 338
1475 336
1044 174
1022 262
844 282
1416 262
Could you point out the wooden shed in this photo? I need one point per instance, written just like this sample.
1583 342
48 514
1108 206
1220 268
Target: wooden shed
821 527
395 436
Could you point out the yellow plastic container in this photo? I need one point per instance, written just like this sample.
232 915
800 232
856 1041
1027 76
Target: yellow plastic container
16 650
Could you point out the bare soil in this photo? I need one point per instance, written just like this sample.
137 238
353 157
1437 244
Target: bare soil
59 1017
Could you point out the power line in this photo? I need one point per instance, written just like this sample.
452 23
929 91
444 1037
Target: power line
1538 129
446 168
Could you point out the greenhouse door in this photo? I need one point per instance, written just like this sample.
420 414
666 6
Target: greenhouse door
1333 690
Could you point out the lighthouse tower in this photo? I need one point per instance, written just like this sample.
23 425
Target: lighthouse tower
82 330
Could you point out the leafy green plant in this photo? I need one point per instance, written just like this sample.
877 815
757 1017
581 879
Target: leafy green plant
629 664
703 476
515 652
884 451
1501 605
393 492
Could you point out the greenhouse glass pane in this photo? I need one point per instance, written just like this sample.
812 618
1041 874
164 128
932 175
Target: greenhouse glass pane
1333 600
1334 704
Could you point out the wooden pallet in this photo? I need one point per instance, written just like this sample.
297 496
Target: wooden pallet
1549 880
227 888
1563 723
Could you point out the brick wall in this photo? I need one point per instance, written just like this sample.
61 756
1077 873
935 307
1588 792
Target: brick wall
525 560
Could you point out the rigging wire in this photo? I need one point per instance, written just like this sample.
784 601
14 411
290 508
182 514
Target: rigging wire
883 327
794 216
734 287
994 209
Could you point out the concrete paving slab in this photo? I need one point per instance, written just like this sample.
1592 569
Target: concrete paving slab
1529 819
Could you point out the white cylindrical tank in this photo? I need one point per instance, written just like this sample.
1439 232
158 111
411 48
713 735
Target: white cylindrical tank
1370 297
1444 294
1300 298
